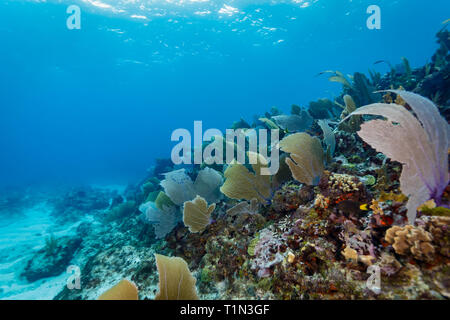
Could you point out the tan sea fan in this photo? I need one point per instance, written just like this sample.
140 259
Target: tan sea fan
175 280
240 183
196 214
124 290
306 157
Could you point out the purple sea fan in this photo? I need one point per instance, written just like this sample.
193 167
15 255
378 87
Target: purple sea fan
420 143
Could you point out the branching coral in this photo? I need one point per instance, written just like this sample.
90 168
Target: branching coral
360 88
321 202
420 144
306 157
339 188
343 183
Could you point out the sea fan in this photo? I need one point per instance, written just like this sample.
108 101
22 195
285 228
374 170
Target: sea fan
328 136
420 144
175 280
240 183
306 157
197 213
179 187
207 184
124 290
294 122
164 220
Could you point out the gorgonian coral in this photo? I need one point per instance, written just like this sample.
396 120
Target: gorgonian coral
179 186
163 220
419 142
124 290
306 157
241 183
196 214
175 280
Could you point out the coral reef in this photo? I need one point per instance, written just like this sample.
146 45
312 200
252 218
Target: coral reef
362 186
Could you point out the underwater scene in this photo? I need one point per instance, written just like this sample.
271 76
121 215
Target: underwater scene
224 150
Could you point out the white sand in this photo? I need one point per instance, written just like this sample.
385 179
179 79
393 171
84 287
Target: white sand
20 238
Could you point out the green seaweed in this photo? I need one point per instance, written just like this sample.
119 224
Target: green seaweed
51 245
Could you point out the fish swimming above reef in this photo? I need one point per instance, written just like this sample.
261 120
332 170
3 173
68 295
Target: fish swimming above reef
349 207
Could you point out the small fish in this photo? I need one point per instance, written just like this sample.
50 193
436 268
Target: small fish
348 206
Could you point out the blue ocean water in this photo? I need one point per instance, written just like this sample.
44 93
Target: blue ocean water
98 105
